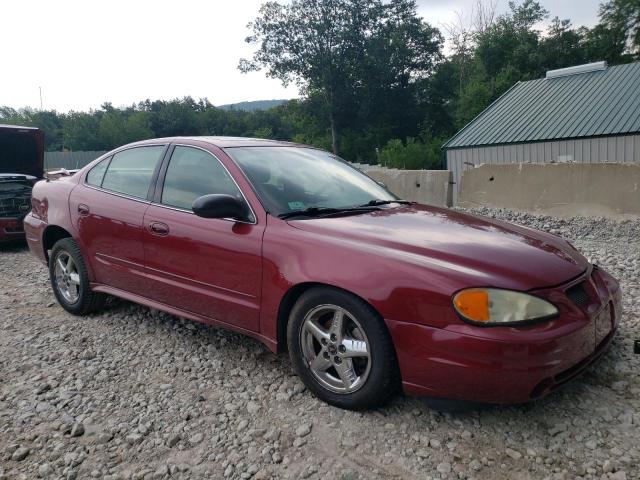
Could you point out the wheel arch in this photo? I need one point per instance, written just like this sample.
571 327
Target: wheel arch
51 235
290 298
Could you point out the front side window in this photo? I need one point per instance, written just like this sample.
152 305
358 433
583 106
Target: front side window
289 179
130 171
193 173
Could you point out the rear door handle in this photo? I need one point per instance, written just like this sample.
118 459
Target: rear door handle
83 210
159 228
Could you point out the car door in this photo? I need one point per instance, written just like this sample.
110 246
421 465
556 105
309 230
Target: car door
210 267
108 207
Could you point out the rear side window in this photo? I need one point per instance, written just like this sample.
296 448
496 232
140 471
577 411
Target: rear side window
96 174
130 171
193 173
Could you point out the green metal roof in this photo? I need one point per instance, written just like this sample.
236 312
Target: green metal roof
597 103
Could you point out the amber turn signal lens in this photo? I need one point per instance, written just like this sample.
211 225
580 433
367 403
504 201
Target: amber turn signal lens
493 306
473 304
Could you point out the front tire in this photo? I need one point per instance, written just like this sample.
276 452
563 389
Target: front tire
70 279
341 349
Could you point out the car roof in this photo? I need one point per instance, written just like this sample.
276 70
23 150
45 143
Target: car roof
226 142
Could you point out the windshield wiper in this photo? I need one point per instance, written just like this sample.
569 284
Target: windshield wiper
377 201
322 211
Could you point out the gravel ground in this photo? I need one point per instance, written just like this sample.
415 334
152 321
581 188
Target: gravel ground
134 393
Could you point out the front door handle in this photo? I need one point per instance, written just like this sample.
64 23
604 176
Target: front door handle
159 228
83 210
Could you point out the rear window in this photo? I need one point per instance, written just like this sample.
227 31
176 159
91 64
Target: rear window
130 171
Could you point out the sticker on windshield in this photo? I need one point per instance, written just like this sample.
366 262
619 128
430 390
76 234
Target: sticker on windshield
296 205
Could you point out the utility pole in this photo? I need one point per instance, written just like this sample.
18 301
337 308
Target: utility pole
40 98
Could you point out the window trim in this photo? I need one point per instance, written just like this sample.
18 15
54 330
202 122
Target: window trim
109 157
156 200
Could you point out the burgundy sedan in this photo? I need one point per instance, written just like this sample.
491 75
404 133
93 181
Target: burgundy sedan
294 247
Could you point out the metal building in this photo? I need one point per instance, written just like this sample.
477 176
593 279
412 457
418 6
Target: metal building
585 114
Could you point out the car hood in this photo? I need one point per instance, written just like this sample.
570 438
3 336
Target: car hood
16 177
496 253
21 150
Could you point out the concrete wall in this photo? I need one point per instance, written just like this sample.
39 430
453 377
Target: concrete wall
432 187
559 189
619 149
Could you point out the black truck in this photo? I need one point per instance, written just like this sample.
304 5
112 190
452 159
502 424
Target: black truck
21 165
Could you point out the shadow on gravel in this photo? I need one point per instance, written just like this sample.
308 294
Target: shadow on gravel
13 246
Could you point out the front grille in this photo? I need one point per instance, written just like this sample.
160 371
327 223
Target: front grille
578 295
15 206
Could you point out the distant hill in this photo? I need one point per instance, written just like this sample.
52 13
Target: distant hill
253 106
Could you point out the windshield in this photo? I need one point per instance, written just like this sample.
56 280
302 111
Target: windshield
289 179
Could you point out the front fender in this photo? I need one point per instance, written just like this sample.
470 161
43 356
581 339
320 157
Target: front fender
395 285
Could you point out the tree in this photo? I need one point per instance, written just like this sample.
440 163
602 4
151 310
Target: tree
175 117
463 32
622 19
508 50
81 131
412 155
562 46
337 48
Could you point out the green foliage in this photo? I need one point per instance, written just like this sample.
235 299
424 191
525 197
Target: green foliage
473 99
621 20
412 154
563 45
81 131
361 57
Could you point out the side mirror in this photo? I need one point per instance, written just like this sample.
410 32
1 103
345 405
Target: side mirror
219 206
382 184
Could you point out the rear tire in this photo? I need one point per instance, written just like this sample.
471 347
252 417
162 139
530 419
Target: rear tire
341 349
70 279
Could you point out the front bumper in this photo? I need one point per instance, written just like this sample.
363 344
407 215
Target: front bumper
11 229
506 364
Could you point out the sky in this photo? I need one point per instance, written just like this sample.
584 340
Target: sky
83 53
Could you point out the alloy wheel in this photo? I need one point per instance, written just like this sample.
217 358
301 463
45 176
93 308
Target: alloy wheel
335 348
67 278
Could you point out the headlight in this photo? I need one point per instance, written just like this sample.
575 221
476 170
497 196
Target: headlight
492 306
